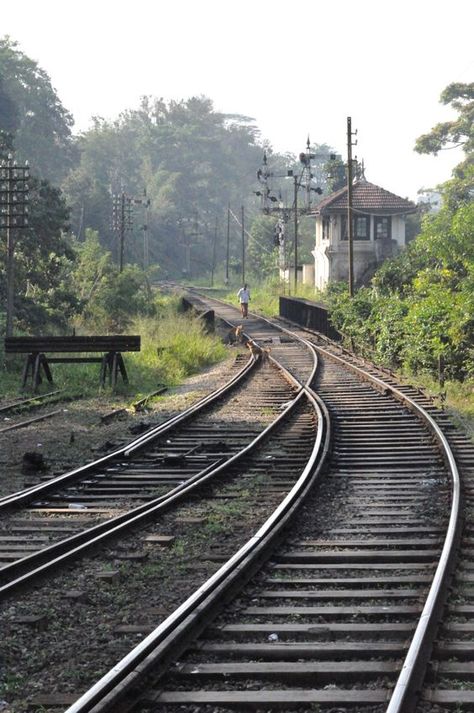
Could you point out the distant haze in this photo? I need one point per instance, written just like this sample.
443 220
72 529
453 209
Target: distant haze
297 68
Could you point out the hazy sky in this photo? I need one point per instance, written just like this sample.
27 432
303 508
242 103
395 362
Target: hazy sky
298 68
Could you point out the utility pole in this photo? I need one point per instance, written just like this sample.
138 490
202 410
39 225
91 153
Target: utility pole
350 225
214 243
262 177
267 199
146 239
295 199
309 175
122 221
146 247
227 253
195 235
82 221
187 254
14 195
243 247
121 231
187 243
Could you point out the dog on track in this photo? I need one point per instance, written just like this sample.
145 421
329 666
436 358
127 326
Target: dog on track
234 335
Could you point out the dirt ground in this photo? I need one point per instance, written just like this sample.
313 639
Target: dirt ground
83 621
77 434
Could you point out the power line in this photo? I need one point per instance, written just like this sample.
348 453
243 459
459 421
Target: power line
249 235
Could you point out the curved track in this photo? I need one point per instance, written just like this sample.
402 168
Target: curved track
179 456
344 612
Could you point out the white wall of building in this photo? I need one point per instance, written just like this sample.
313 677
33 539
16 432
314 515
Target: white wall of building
308 274
331 260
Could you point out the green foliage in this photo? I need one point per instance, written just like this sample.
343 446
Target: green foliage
8 121
305 240
175 345
350 315
433 328
448 134
418 314
12 683
32 115
458 131
262 254
388 332
110 299
192 160
336 171
421 304
44 260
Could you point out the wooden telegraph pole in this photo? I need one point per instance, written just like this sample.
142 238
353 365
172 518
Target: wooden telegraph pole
227 253
350 227
121 222
13 216
243 246
295 179
214 244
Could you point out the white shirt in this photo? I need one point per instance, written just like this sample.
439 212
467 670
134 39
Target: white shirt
243 294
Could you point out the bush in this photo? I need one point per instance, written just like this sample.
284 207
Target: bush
110 299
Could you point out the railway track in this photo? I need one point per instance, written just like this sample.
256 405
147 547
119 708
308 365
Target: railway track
147 476
448 684
28 403
338 607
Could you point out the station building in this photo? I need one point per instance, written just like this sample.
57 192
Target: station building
378 232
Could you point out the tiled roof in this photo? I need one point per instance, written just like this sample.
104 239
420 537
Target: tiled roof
366 197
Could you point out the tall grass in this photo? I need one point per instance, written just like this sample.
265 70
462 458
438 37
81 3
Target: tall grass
457 398
173 346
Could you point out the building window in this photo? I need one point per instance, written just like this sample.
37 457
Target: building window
325 228
361 227
383 228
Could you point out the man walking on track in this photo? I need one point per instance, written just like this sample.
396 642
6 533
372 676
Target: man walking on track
244 295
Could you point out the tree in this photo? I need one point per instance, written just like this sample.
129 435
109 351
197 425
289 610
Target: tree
8 121
191 160
336 173
109 299
421 304
32 114
456 133
262 253
44 258
459 131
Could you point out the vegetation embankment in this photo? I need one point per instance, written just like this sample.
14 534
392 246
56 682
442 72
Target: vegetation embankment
173 344
417 315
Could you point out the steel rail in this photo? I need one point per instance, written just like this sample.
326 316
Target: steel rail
404 695
32 399
272 324
28 494
41 562
143 440
29 421
156 647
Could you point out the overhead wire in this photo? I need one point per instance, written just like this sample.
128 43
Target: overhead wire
249 235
